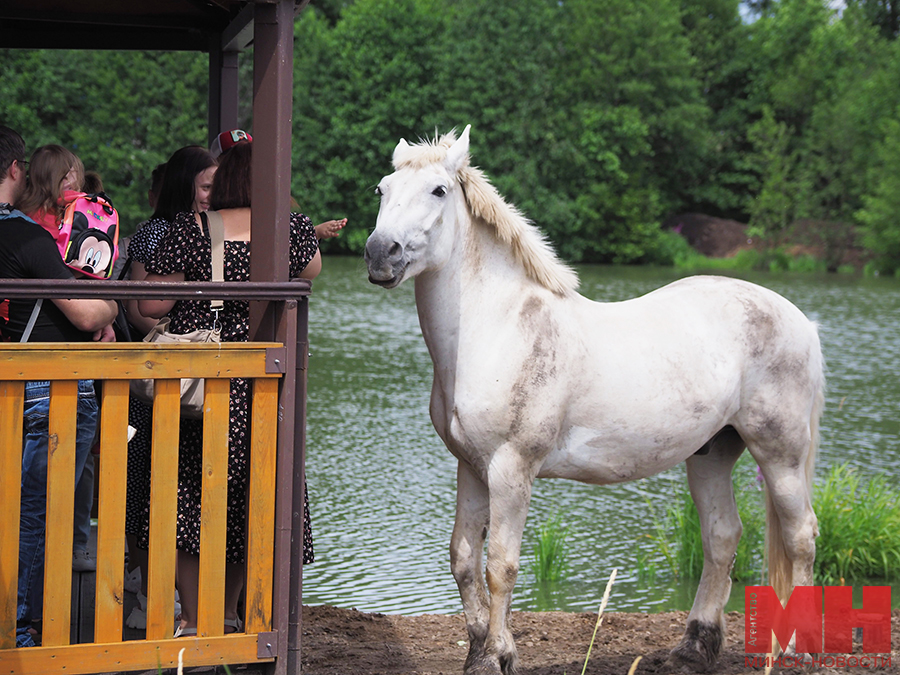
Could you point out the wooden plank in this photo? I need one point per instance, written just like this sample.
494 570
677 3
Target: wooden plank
163 509
55 361
60 501
131 655
12 408
110 596
261 501
214 512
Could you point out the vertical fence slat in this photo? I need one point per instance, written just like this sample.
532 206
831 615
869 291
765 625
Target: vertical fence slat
111 512
11 411
163 509
214 512
261 499
60 499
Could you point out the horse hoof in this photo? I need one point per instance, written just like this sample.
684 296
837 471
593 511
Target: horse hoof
479 662
699 648
482 665
509 664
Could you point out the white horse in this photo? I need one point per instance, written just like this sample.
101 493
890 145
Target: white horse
532 380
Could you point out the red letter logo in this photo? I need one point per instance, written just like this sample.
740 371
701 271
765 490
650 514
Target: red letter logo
765 615
874 618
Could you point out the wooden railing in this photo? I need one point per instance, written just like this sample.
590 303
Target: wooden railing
268 522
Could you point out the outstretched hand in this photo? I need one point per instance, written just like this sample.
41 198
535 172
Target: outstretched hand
330 228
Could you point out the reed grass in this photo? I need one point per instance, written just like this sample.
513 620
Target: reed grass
859 531
859 526
550 549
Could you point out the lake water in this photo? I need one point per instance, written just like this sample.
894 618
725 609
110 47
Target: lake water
382 485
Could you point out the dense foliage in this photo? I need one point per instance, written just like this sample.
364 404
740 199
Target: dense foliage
599 119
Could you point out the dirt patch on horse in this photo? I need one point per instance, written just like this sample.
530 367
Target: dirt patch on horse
343 642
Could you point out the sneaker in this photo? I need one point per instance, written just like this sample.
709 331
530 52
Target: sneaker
138 617
133 581
82 562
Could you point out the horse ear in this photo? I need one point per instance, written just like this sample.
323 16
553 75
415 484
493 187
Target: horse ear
399 151
458 153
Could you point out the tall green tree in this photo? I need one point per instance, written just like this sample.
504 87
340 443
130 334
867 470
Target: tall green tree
122 113
631 126
374 83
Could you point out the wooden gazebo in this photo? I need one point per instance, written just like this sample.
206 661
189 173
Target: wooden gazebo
275 360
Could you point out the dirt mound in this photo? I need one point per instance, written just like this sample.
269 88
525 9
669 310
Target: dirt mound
711 236
836 243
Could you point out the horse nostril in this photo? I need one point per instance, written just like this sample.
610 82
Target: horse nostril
396 250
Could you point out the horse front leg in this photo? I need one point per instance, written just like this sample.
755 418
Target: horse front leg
466 548
510 482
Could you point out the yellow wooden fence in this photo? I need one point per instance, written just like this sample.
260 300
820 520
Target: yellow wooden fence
115 364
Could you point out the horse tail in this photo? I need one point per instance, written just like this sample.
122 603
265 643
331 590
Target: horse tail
779 563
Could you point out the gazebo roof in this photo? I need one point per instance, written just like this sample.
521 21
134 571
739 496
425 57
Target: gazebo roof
128 24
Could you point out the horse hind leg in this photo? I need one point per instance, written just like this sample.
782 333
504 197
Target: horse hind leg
787 462
709 478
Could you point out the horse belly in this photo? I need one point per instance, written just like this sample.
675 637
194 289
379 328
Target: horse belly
616 456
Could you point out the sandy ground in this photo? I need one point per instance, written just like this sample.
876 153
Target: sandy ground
347 642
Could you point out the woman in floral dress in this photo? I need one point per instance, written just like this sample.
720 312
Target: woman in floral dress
185 254
185 186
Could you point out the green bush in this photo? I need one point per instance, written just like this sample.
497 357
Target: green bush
859 528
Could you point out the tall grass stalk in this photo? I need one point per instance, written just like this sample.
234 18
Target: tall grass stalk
603 601
550 550
859 526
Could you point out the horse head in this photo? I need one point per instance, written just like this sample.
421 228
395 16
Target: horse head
415 229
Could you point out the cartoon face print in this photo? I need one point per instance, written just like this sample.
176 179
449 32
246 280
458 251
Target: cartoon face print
92 252
94 256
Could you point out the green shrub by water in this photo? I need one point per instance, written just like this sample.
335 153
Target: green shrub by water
549 556
859 530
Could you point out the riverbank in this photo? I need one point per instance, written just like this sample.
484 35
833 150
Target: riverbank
346 642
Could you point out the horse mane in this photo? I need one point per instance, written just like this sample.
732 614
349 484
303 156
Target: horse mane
528 244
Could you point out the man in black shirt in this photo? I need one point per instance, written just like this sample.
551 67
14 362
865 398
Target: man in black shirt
27 251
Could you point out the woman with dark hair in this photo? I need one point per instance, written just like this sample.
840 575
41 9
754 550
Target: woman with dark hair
186 183
185 254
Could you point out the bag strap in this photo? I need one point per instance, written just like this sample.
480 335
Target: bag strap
213 221
32 320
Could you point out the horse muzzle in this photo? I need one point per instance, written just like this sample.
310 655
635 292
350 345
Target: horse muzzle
385 260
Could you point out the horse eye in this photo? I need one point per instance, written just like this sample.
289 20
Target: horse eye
439 191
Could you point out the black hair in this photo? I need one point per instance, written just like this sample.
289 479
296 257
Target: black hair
12 148
177 192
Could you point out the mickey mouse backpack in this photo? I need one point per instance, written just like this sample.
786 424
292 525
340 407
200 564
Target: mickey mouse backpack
88 238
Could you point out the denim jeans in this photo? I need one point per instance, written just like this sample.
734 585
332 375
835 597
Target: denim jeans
84 502
33 520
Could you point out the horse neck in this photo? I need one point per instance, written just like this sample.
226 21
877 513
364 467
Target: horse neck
479 283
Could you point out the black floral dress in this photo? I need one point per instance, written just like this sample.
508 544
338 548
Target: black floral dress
141 248
184 248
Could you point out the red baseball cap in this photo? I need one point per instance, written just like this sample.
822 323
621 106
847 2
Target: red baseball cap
228 139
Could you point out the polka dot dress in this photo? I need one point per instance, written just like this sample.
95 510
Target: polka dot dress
140 415
184 248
